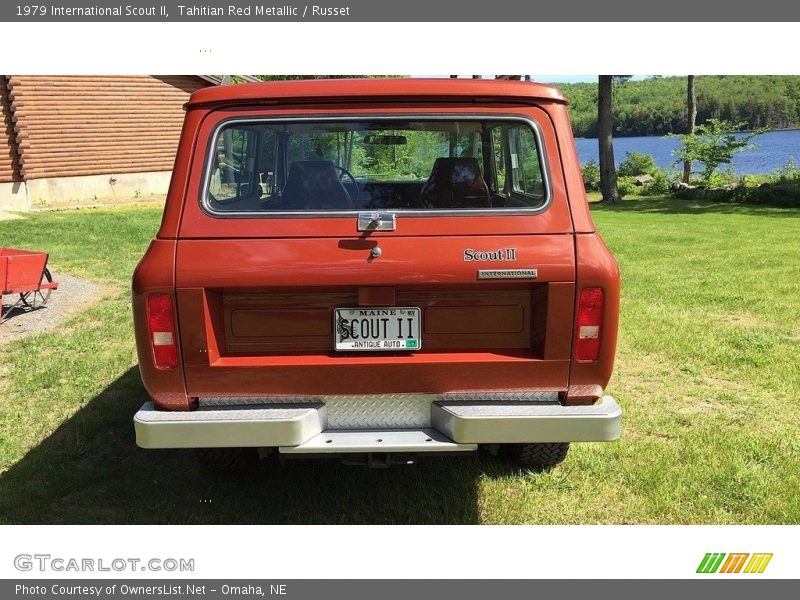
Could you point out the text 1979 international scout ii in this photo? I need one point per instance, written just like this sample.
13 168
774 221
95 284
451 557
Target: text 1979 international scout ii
375 270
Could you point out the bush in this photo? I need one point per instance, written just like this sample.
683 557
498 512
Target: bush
789 173
626 186
783 195
591 176
636 163
721 179
659 186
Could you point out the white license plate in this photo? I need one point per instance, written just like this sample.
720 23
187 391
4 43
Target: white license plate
377 329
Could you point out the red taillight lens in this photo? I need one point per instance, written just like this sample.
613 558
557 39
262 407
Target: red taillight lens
590 321
161 326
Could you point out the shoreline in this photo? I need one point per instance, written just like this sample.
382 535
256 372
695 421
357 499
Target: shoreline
772 155
632 137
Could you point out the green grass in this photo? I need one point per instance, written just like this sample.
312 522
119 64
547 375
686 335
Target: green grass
707 373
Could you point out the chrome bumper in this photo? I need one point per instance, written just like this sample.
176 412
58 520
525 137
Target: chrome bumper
527 422
252 426
457 424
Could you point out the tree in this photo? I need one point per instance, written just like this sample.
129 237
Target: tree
713 144
657 106
608 170
691 117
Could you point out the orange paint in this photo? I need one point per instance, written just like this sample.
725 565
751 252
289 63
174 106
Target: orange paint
255 295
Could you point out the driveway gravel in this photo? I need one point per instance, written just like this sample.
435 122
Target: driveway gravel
72 295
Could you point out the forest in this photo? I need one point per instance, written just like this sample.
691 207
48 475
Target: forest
657 105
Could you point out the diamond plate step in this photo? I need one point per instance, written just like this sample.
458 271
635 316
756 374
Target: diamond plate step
529 396
381 411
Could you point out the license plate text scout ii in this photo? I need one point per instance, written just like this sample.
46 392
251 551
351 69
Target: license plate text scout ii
377 329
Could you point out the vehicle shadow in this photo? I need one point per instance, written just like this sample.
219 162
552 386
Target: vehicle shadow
89 470
678 206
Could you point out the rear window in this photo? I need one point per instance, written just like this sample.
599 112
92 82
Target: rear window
421 165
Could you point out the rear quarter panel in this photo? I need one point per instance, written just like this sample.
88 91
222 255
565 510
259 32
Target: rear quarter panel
596 267
156 274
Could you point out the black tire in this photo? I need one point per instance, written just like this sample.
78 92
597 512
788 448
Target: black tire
227 461
538 457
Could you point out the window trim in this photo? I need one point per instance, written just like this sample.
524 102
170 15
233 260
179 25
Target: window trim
478 212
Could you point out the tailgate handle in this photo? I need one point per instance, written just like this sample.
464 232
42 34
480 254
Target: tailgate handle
376 221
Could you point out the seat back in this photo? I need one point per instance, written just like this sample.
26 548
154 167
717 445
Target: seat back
456 183
314 184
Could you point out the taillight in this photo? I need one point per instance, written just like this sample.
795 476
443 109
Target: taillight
161 327
590 321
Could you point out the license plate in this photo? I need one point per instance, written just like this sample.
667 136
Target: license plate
375 329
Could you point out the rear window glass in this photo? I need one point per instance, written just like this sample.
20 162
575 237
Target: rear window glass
460 165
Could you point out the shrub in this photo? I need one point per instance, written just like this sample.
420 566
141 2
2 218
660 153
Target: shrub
636 163
591 175
789 173
626 186
659 186
779 194
719 179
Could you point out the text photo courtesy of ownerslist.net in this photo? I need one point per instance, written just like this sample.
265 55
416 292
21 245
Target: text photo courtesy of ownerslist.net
100 590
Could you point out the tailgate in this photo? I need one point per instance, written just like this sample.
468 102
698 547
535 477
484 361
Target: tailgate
256 316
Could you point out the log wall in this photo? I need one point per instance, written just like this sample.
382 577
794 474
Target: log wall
9 168
89 125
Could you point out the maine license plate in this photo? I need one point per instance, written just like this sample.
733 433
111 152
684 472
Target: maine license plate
377 329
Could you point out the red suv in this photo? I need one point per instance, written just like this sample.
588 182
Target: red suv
375 270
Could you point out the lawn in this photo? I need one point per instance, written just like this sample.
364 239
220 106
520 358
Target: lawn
707 373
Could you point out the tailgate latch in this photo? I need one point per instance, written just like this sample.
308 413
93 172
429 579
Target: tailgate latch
376 221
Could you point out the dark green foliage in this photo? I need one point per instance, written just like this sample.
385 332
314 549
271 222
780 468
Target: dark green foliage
636 163
766 194
657 106
787 195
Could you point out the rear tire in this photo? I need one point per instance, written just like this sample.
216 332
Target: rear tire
227 461
538 457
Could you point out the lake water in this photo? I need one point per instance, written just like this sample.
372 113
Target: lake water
774 149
